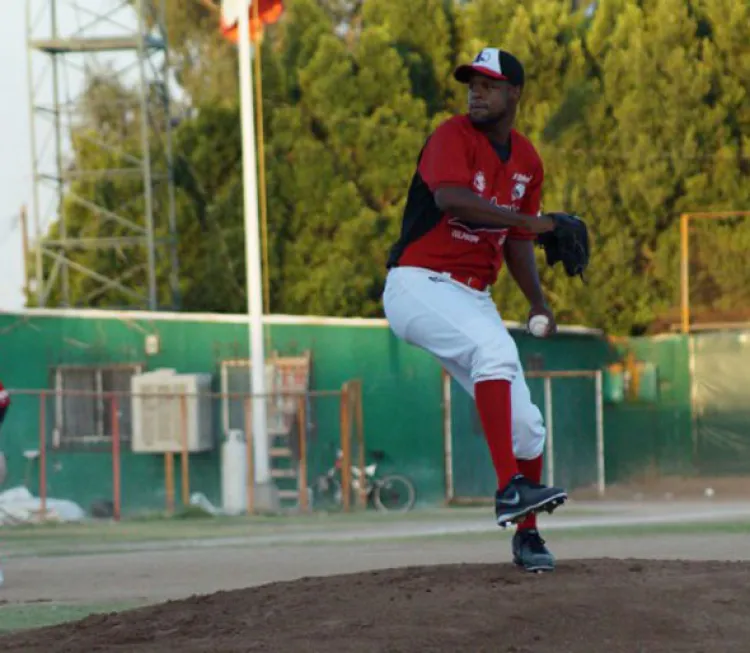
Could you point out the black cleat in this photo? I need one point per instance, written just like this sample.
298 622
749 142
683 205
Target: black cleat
522 497
530 553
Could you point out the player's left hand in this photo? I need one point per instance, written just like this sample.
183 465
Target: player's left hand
543 309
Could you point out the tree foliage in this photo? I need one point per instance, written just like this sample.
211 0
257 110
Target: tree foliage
640 109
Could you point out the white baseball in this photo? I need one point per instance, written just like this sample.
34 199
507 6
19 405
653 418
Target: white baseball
538 325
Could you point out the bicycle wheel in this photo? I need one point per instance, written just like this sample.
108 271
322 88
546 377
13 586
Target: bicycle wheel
394 493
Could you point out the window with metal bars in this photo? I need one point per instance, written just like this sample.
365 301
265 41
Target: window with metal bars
83 411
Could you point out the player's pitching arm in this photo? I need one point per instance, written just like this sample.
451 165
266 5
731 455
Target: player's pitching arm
521 262
463 203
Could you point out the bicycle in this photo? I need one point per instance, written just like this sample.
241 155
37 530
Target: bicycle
389 493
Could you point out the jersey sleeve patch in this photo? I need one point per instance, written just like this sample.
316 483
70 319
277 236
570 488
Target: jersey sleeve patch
445 159
531 204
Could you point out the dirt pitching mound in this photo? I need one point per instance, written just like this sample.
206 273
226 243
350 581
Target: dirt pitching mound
592 606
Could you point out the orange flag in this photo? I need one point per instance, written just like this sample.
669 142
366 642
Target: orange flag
266 12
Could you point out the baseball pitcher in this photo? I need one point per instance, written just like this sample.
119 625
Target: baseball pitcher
474 203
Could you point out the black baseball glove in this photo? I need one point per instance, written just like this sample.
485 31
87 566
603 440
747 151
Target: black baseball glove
568 242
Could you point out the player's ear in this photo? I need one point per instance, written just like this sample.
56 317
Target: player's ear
515 92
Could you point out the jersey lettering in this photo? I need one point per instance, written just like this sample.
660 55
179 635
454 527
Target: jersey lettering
462 235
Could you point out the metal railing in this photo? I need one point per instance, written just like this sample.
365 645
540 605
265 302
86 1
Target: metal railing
176 456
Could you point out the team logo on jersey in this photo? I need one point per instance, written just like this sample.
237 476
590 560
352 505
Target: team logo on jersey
480 183
519 190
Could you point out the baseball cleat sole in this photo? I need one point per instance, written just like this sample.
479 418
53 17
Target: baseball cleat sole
548 505
535 569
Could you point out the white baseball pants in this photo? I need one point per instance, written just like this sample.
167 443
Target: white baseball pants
462 328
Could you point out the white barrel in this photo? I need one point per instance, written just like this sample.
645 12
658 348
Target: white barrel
234 473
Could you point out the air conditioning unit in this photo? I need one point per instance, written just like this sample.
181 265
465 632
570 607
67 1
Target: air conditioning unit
171 412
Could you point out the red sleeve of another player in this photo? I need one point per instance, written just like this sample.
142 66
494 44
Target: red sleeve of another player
445 159
531 204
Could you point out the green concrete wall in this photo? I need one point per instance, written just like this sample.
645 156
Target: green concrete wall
401 396
402 399
654 438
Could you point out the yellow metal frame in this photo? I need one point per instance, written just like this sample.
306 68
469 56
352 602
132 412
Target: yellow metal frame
685 256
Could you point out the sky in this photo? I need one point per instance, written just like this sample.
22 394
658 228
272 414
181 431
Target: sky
86 17
15 151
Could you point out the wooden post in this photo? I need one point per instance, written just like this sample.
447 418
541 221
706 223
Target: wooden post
43 453
346 453
360 430
684 272
169 480
116 487
601 484
447 436
549 440
184 454
302 466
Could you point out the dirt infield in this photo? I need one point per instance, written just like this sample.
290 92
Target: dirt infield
438 582
586 606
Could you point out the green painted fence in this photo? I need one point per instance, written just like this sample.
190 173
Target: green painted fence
401 395
402 400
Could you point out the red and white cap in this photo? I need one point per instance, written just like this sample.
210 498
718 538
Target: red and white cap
493 63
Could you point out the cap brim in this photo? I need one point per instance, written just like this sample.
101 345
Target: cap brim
463 73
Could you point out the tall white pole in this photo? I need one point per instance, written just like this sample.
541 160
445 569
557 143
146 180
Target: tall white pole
252 253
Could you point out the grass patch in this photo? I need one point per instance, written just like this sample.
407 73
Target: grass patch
688 528
559 534
33 538
37 615
599 532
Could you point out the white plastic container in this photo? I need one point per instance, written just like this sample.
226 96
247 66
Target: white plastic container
234 473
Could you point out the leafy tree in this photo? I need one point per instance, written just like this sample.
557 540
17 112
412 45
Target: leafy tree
349 144
639 108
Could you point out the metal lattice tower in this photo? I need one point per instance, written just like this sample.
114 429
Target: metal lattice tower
108 59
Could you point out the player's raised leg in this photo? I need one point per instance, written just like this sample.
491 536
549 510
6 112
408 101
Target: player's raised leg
461 327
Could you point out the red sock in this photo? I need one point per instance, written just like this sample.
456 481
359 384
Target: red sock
493 405
531 469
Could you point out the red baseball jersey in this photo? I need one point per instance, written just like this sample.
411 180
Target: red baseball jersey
458 154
